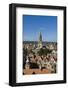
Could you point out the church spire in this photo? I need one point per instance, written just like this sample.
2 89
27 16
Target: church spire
40 37
40 40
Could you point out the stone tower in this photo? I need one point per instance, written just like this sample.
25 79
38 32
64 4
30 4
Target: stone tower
40 41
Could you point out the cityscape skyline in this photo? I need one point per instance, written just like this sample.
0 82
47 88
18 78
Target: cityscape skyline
33 24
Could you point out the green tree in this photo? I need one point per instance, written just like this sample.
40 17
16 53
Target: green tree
44 51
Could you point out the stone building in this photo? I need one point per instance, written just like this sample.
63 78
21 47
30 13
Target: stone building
40 41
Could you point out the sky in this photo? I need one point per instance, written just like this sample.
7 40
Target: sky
33 24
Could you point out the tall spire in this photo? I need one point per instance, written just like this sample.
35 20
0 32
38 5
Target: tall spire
40 37
40 40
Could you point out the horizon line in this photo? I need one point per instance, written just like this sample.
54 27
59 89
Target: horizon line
42 41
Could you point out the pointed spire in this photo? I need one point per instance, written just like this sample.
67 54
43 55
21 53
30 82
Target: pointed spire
40 37
40 40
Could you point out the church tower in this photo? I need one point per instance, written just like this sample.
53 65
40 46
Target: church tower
40 41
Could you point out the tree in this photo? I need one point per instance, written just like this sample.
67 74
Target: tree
44 51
